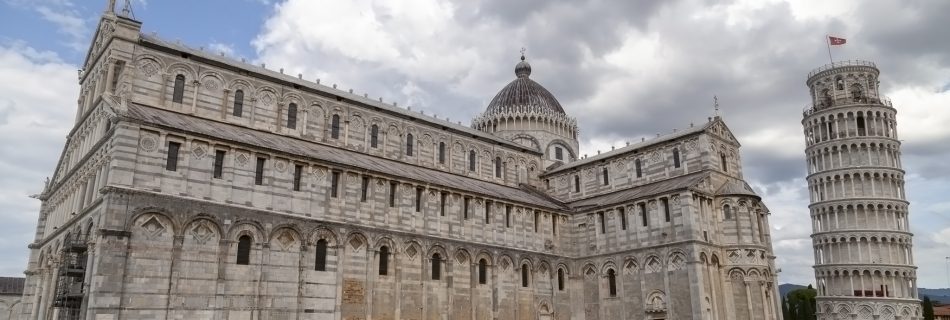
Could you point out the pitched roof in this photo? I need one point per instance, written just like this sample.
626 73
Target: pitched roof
655 188
626 149
289 145
329 91
736 187
11 285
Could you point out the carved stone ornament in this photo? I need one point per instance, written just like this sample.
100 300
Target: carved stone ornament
734 256
211 84
653 266
267 99
198 151
280 165
356 243
148 142
286 240
202 233
241 159
677 262
692 145
152 227
319 173
590 272
149 68
631 268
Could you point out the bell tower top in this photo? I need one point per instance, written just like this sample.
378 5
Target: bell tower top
844 83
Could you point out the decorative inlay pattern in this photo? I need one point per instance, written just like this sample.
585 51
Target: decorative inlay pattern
198 151
148 143
149 68
211 84
241 159
280 165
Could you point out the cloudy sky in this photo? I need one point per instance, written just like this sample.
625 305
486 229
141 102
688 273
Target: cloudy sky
625 69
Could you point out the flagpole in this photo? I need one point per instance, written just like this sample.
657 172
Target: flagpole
828 44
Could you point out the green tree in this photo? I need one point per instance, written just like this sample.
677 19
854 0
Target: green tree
801 304
928 308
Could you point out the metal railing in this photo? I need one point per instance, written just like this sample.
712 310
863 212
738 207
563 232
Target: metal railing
846 63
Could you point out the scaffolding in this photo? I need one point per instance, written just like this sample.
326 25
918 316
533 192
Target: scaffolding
70 286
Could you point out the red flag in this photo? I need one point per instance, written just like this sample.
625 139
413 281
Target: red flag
835 41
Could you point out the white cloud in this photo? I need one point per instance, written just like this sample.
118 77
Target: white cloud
923 113
222 48
385 48
943 237
65 16
37 100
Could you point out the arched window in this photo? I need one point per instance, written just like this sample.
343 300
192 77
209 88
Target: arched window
606 176
436 266
335 127
244 250
442 152
612 282
497 167
861 128
676 158
374 136
577 183
292 115
409 144
179 93
560 279
727 211
524 275
839 83
320 264
639 167
383 260
471 160
725 165
482 271
238 103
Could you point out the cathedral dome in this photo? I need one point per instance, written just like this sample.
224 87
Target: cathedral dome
524 95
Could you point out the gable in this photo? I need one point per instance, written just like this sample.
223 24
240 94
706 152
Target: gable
720 130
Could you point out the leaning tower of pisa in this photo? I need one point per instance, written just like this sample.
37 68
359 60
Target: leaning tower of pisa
864 267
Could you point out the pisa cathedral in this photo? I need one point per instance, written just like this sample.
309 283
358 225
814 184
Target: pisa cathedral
864 266
193 186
